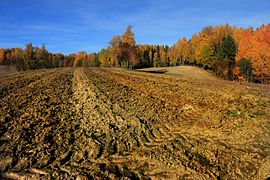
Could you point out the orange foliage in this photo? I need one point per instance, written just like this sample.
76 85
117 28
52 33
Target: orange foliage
2 55
255 46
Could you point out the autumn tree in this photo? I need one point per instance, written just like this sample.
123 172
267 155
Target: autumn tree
115 51
180 51
260 53
255 46
104 56
204 39
122 51
2 56
17 56
13 57
143 55
58 60
128 50
163 54
29 56
245 68
193 43
69 60
10 60
91 61
208 56
81 59
49 63
151 56
156 60
41 56
173 55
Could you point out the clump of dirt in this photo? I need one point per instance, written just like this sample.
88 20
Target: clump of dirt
111 123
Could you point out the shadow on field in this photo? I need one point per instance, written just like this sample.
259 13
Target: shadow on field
161 71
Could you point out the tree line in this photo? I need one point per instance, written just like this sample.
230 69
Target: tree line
228 51
32 58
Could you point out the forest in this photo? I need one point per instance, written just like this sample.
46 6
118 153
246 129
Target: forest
108 115
230 52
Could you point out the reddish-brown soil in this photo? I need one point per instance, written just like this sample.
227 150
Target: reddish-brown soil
87 123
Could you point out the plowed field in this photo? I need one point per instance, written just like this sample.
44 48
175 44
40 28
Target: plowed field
90 123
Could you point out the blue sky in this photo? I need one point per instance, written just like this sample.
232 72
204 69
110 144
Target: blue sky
69 26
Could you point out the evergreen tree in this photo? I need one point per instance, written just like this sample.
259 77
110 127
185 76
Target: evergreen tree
245 68
226 53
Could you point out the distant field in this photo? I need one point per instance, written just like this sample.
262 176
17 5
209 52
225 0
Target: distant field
87 123
184 71
6 70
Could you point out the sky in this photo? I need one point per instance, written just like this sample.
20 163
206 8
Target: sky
69 26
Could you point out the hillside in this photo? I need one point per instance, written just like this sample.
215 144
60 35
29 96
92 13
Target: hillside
105 122
183 71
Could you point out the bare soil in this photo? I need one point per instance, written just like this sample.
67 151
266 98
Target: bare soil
89 123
